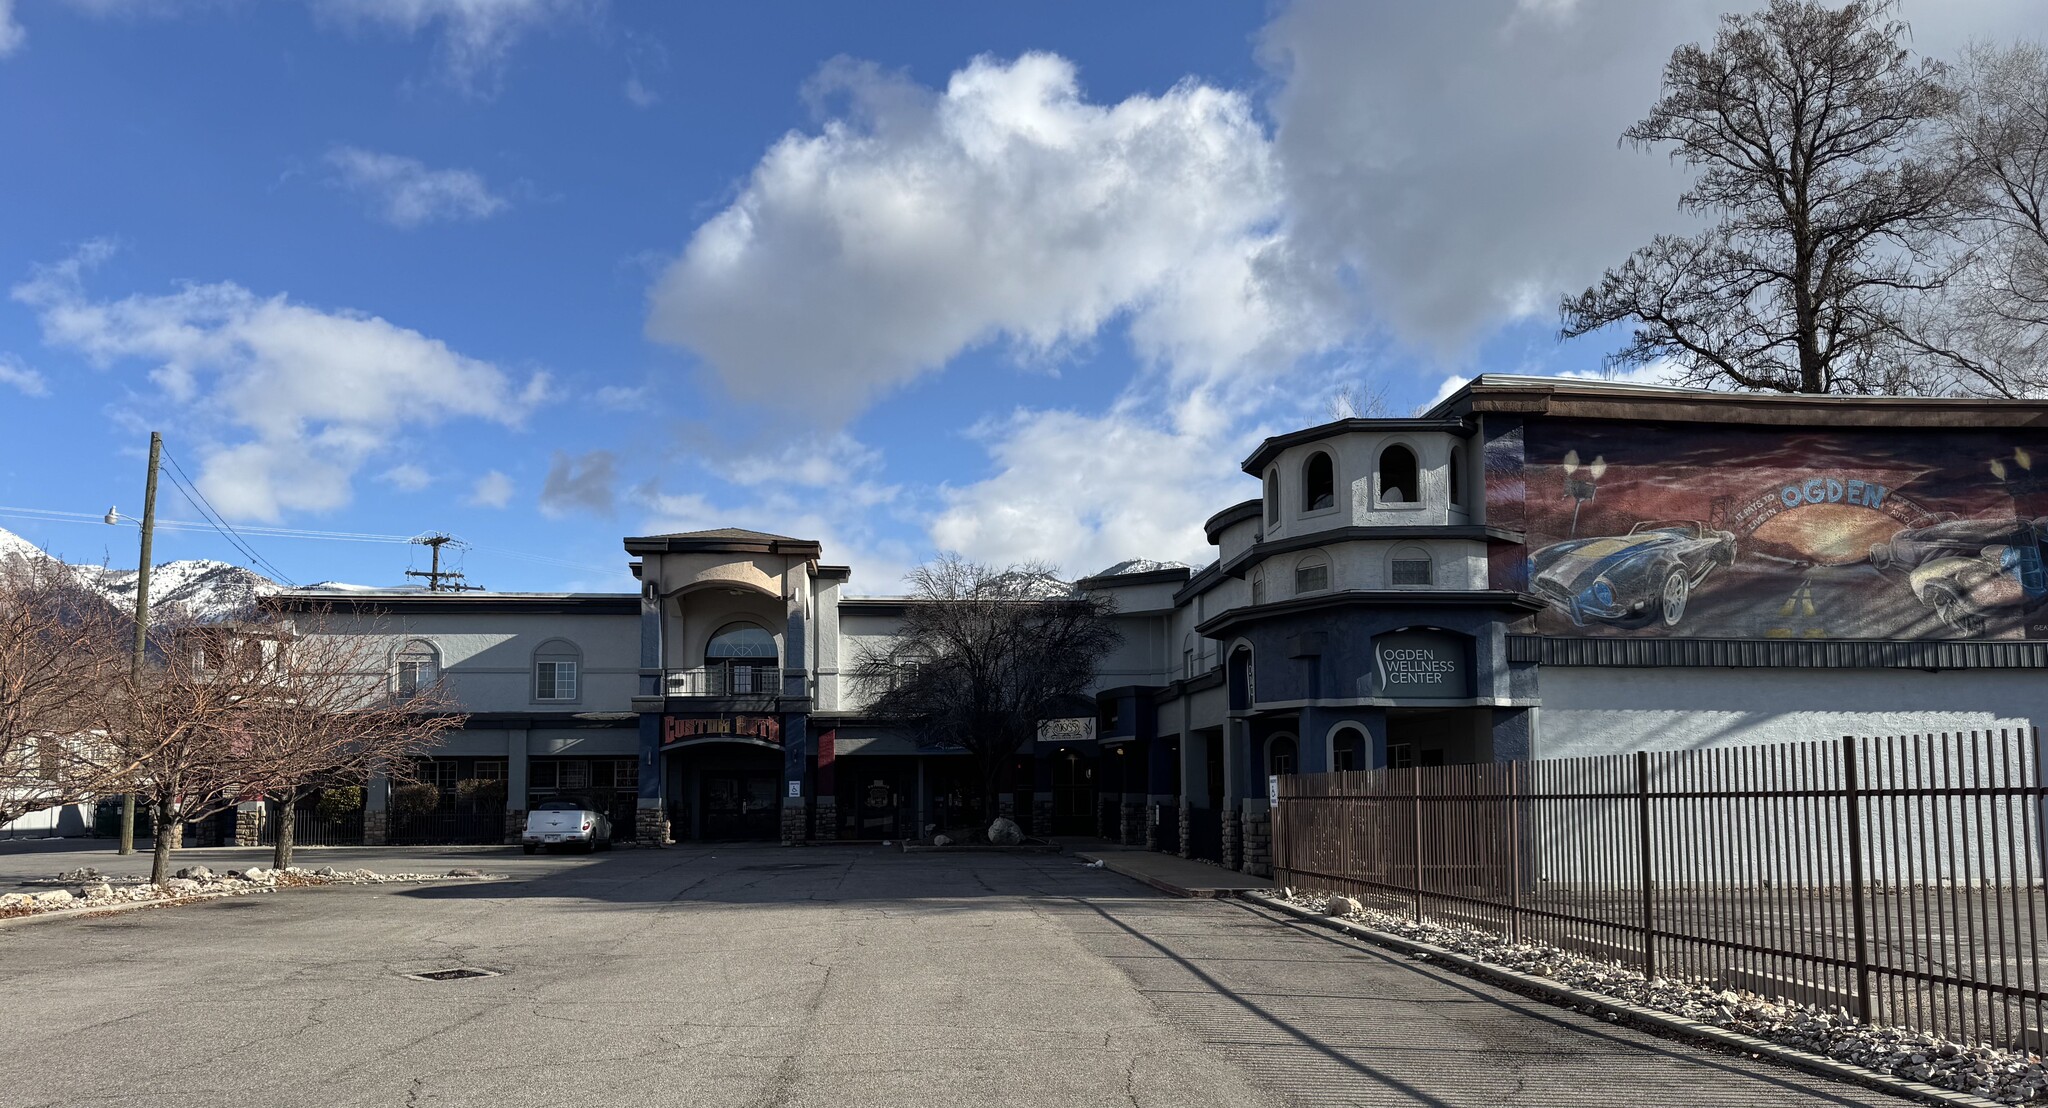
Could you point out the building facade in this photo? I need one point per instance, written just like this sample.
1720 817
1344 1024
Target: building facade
1534 568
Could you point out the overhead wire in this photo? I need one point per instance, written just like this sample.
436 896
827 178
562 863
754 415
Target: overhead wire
198 500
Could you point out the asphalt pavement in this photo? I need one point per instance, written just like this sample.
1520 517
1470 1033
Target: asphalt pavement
759 975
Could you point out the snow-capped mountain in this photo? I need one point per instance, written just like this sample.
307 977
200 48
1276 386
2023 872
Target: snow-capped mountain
196 588
1139 565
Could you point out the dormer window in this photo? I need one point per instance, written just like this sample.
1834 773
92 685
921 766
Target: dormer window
1318 483
1398 476
1272 497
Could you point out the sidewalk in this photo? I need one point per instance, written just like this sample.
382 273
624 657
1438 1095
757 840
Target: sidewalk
1169 873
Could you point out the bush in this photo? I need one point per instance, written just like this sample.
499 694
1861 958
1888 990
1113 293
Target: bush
481 792
339 803
416 798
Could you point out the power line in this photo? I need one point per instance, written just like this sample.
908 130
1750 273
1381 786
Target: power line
207 511
49 515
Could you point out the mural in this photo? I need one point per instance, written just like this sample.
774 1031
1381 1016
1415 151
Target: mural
1714 531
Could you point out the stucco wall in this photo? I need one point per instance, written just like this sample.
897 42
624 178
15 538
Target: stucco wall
488 657
1610 711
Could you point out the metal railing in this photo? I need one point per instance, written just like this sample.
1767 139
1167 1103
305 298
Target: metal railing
1898 878
732 679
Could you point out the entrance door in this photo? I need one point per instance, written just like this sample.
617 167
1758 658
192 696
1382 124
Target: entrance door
1073 794
740 806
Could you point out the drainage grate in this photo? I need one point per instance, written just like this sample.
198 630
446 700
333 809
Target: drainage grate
452 974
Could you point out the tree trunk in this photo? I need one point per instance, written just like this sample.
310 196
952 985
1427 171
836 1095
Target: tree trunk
166 826
281 850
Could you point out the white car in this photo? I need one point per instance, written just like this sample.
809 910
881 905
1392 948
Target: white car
566 823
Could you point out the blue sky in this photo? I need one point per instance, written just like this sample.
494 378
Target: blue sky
1023 281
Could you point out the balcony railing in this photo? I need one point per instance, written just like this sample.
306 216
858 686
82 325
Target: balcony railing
733 679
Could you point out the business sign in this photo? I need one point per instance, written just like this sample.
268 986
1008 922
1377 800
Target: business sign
675 729
1075 730
1435 665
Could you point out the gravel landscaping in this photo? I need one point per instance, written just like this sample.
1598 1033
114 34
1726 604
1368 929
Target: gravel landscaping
2008 1076
88 888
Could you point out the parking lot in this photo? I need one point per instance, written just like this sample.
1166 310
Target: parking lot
758 975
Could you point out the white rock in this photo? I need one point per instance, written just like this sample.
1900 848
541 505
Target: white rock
942 840
1005 832
196 873
55 898
181 885
1342 906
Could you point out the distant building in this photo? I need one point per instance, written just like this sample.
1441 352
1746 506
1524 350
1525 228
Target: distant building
1534 568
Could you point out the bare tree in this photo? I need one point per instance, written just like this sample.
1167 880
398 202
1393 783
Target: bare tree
1812 130
61 647
982 656
185 720
331 717
1992 324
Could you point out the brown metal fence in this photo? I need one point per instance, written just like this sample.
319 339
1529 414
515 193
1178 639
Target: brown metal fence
1899 878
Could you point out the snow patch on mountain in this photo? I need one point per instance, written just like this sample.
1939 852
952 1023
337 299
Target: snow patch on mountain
192 588
1139 565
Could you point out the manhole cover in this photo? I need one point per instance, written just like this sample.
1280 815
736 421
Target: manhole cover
452 974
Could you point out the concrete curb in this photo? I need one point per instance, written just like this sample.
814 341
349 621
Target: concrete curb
192 898
1163 885
1546 989
984 848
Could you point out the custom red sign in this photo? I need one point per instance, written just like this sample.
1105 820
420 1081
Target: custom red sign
675 729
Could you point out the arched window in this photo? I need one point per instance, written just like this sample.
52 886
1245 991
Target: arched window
1311 574
740 660
1272 496
1410 565
557 671
1457 476
1187 656
1318 483
1347 750
1398 483
419 665
1259 586
1244 689
1280 754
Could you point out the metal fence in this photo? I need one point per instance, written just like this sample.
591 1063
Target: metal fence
1899 878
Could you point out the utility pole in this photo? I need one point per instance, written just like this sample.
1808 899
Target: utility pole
156 449
435 575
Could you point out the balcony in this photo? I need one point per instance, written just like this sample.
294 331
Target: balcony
728 680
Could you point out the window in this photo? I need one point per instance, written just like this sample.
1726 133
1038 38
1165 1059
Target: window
1410 565
544 775
626 774
750 641
1400 755
1347 750
556 667
1318 483
1272 496
1187 656
575 775
1280 754
1258 586
1457 476
488 769
1398 475
419 666
1311 574
439 772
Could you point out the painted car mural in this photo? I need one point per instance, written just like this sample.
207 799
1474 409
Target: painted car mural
1754 532
1968 569
1630 580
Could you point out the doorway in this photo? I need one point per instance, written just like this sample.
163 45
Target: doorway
725 791
1073 792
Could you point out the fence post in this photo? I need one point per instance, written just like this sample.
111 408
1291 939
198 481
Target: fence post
1415 775
1514 837
1852 796
1643 846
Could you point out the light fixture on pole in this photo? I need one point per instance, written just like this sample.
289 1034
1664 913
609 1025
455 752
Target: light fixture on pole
1581 489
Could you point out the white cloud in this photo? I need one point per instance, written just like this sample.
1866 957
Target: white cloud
1006 207
621 397
639 95
11 34
24 378
1086 491
406 477
492 490
581 483
476 35
313 395
405 193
